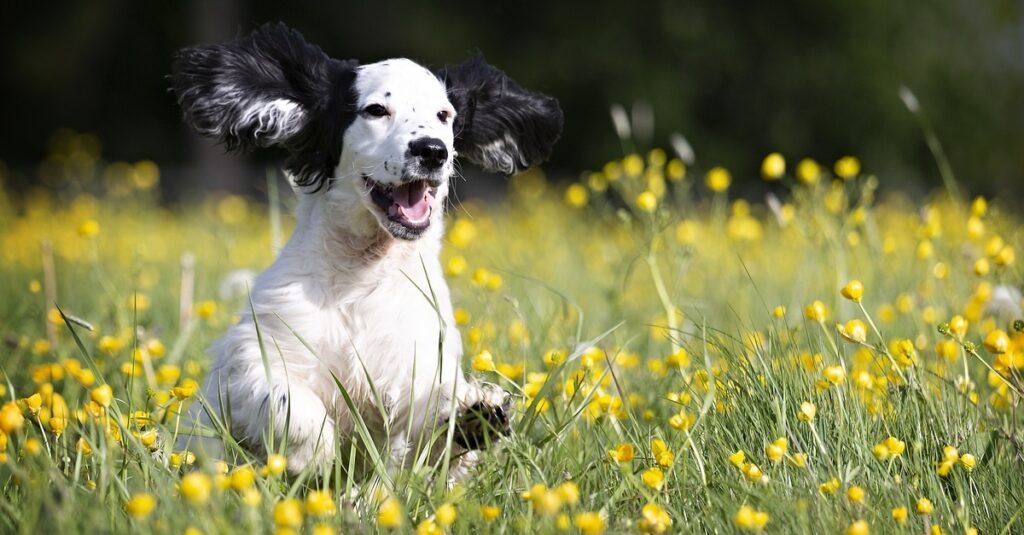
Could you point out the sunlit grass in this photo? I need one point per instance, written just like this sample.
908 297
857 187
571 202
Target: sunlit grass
683 360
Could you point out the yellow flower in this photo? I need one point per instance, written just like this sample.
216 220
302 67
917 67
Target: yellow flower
968 461
568 492
288 513
753 473
243 478
654 519
718 179
11 418
545 501
553 358
779 311
185 390
446 514
958 326
32 446
834 374
924 506
808 171
140 505
462 233
428 527
185 457
773 166
859 527
110 344
681 421
483 362
323 529
750 519
389 515
88 228
1006 256
456 266
904 353
156 348
798 460
845 168
576 196
899 514
320 503
662 455
854 331
829 486
738 459
196 487
997 341
590 523
944 468
653 477
276 464
57 424
490 513
102 395
776 451
855 494
807 412
676 170
33 403
816 311
981 267
647 201
854 291
206 309
461 316
623 453
251 497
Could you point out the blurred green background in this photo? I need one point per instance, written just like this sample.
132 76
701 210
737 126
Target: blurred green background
738 79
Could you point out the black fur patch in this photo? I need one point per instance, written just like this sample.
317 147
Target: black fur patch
500 126
219 86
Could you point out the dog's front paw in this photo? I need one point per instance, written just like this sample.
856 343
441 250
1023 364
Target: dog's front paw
484 417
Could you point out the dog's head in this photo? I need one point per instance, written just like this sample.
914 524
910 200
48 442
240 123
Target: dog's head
387 132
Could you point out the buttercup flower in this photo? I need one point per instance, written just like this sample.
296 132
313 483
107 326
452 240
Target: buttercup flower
773 166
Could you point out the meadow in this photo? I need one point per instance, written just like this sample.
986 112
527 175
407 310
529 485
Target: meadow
831 359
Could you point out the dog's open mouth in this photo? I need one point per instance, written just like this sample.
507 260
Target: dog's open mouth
408 204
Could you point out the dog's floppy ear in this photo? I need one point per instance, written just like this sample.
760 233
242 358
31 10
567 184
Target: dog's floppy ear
500 126
270 88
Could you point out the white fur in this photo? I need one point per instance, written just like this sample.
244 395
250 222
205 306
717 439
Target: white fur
498 155
355 295
276 120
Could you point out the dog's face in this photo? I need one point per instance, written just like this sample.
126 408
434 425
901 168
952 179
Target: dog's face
386 132
400 146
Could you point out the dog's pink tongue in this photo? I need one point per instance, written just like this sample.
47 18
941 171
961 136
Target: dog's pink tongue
412 201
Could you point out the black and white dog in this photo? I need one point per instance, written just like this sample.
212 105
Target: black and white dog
371 151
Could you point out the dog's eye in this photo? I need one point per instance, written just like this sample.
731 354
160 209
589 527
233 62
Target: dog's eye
375 110
443 116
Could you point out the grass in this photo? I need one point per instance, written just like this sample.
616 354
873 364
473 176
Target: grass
650 326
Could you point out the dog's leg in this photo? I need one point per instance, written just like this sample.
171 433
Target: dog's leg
484 414
249 405
301 424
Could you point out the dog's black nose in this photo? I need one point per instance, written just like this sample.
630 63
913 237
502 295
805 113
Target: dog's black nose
431 151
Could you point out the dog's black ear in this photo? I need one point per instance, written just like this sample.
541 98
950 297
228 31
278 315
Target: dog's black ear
270 88
500 126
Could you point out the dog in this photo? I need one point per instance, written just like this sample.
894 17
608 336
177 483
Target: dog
354 315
